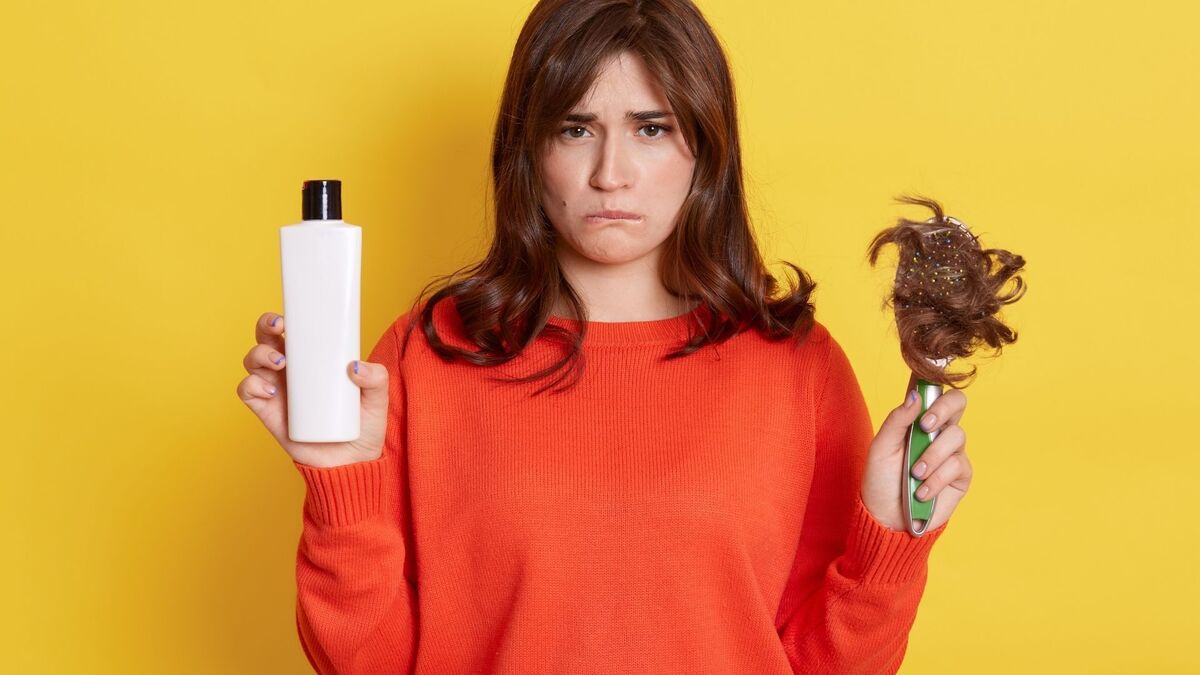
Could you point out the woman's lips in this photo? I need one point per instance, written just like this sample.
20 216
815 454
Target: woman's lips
601 216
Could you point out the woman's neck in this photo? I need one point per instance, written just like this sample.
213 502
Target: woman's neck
629 291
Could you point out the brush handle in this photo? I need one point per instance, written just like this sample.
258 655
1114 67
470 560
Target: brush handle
918 441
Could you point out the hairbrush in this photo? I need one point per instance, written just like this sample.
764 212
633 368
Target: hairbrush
945 297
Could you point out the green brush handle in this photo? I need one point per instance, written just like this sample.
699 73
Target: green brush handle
918 441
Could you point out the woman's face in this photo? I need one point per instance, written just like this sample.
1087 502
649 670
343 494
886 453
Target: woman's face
604 159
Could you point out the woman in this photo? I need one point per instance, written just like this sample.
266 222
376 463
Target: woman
704 495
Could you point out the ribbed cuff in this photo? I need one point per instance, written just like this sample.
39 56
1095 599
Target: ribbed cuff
876 554
347 494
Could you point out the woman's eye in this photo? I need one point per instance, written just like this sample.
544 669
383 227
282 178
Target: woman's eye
662 130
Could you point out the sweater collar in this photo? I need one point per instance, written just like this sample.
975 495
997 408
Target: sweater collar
653 332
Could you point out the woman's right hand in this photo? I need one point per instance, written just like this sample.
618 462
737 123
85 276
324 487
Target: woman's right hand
264 391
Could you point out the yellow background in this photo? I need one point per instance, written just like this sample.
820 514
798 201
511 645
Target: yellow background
152 150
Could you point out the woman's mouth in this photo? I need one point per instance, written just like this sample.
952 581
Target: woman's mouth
603 216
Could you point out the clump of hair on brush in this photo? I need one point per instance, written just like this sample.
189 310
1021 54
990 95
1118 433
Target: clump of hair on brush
947 292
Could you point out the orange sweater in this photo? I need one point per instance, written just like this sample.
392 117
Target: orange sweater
698 515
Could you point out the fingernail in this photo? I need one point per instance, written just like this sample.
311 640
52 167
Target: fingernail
927 421
912 398
275 320
919 469
271 390
279 360
922 492
356 367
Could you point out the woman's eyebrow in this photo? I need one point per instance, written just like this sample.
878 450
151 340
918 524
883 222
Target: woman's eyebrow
640 116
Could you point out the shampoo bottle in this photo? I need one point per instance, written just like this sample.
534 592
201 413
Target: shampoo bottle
321 262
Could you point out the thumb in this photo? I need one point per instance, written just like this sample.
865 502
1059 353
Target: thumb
372 378
894 430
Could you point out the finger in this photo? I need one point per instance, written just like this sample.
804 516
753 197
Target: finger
263 360
950 440
254 391
269 330
950 471
894 430
947 409
964 477
372 378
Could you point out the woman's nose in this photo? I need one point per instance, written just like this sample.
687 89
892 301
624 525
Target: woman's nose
614 169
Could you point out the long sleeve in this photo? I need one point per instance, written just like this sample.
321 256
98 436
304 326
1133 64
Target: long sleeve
854 588
355 577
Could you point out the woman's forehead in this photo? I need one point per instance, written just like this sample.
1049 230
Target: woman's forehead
629 87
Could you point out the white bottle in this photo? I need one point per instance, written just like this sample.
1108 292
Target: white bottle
322 263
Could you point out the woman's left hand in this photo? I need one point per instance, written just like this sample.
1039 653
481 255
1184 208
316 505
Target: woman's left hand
947 472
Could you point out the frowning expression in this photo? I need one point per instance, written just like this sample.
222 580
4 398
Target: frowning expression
618 170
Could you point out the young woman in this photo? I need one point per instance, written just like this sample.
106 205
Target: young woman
704 494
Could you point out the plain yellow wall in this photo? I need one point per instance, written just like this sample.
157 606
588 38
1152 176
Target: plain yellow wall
150 152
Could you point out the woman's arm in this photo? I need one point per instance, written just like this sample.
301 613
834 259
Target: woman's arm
855 585
355 577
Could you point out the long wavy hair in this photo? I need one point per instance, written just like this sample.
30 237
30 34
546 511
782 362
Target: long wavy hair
710 260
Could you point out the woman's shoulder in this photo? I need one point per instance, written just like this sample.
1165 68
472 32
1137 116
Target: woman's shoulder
411 330
824 346
811 342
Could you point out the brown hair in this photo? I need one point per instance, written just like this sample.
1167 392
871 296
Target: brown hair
710 259
947 291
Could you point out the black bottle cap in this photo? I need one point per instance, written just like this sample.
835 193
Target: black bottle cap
322 200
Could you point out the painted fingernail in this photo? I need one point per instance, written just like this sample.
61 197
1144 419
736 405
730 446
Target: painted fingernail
927 421
356 367
271 390
912 398
923 492
275 320
919 469
278 360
